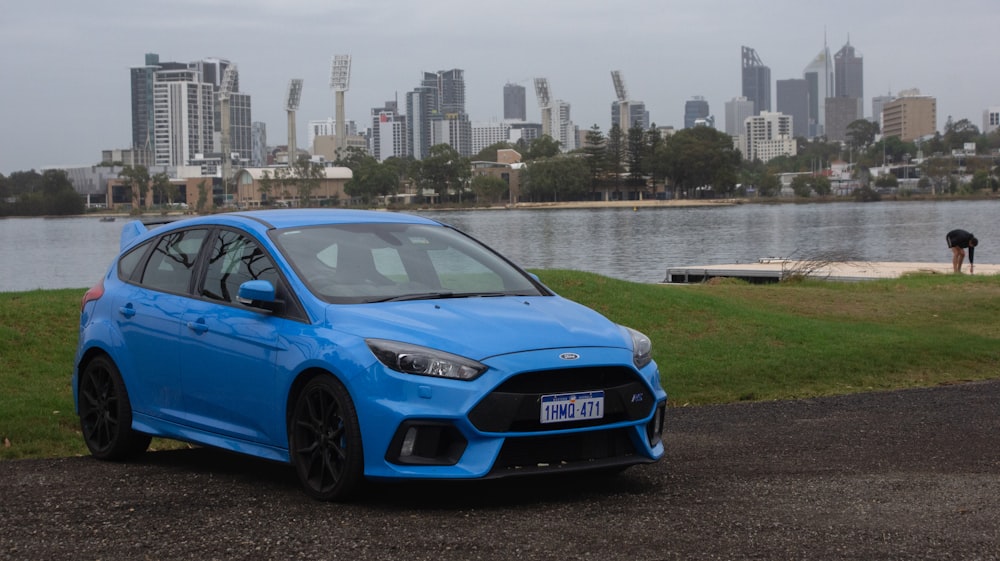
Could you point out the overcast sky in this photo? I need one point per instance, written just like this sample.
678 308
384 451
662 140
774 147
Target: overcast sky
64 64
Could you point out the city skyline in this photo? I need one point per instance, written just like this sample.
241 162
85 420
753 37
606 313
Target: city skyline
63 111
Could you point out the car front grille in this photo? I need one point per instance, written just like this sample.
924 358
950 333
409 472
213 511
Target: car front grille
514 406
582 450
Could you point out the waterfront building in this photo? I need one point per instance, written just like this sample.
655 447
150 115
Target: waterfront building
766 136
756 80
910 116
737 111
694 109
455 130
793 100
561 125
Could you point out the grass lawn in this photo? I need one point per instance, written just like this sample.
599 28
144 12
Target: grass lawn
714 343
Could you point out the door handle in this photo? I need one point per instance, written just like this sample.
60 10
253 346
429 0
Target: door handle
198 326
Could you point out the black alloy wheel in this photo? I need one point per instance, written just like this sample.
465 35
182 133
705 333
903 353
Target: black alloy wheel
325 440
106 414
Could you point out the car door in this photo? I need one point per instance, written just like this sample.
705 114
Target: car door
229 350
150 307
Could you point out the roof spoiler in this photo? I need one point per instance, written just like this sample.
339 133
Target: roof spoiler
131 231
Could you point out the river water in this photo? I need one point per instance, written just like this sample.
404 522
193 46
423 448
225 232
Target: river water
636 245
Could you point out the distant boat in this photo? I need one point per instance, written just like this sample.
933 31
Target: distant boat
107 219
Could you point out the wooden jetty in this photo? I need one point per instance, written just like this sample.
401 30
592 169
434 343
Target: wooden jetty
771 270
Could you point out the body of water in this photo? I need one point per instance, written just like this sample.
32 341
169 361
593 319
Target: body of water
628 244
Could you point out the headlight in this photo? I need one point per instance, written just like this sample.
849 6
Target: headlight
413 359
642 348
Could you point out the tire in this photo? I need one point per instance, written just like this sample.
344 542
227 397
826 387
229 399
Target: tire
325 440
106 413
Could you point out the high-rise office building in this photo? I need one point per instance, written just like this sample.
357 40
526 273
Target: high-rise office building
515 105
819 75
910 116
737 111
450 90
793 100
756 81
848 73
694 109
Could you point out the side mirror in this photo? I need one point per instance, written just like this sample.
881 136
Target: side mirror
258 294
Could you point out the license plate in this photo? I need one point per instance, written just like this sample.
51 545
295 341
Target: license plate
562 407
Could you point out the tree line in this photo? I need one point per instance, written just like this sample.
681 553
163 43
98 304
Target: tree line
29 193
618 164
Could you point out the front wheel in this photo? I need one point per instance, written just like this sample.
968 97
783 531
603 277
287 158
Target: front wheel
106 413
325 440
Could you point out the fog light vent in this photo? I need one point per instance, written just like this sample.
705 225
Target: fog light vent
654 429
430 443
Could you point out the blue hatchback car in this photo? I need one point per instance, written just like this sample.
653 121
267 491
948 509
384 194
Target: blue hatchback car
353 345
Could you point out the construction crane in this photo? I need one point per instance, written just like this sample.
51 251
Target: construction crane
225 92
545 104
340 81
624 106
291 106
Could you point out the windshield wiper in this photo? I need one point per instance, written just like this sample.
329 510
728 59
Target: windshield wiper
439 296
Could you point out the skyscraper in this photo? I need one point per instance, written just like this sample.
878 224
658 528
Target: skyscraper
737 111
184 113
848 73
694 109
450 90
515 105
756 81
421 106
160 113
793 100
819 75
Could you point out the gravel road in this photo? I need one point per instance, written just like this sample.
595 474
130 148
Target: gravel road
911 474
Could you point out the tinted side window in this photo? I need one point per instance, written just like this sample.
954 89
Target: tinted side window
235 259
172 262
131 260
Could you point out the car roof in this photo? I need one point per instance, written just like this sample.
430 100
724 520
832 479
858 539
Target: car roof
263 220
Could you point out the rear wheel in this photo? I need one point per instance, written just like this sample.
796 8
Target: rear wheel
106 413
325 440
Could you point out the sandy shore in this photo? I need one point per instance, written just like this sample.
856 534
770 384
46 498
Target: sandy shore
655 203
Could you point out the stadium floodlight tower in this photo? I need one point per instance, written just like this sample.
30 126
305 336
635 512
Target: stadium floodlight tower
225 92
545 104
291 106
340 81
624 106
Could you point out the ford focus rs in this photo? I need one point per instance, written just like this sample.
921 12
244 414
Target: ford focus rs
356 345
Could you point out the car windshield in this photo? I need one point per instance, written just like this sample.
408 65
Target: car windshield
380 262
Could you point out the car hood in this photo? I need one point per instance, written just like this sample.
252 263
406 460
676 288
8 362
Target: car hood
479 328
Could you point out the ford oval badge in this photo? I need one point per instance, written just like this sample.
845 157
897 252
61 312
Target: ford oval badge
569 356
